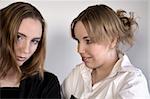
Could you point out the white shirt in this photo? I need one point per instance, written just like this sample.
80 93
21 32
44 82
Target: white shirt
124 82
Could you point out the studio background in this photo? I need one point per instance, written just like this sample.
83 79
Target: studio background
61 55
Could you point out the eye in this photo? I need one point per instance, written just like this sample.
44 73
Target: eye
88 41
35 42
19 37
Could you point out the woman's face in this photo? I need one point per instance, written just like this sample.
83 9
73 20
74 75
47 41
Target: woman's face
29 35
93 54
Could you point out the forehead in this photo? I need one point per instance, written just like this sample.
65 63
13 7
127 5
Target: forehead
80 30
31 27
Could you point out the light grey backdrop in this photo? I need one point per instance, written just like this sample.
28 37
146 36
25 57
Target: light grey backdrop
61 49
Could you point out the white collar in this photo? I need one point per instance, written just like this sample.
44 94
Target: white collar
122 65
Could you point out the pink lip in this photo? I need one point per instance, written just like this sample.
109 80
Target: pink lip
85 59
20 58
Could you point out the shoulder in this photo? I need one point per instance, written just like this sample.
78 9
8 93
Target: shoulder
134 74
45 87
134 83
78 73
46 76
50 85
69 85
74 74
49 80
128 69
130 73
49 76
132 79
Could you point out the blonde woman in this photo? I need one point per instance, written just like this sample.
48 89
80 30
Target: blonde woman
106 71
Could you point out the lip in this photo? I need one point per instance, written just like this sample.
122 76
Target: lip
20 58
85 59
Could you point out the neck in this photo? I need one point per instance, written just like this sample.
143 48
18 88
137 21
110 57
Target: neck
104 70
11 79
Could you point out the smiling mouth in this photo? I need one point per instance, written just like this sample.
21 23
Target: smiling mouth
85 59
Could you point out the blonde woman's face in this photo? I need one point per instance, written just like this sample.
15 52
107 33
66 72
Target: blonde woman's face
29 35
92 54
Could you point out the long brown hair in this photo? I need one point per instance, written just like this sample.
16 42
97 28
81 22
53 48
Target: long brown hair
103 24
10 20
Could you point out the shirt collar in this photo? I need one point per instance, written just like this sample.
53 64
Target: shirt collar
122 65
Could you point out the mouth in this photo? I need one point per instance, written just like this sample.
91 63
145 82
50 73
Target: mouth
86 59
20 58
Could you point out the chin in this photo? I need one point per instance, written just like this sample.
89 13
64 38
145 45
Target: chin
89 66
20 63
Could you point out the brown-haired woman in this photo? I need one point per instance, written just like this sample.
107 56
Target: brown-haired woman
106 71
22 54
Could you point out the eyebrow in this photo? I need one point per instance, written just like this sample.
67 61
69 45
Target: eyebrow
86 37
22 34
37 38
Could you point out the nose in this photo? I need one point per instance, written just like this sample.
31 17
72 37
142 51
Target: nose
81 48
26 47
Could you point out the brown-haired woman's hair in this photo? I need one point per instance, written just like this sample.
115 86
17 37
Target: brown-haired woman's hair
103 24
10 20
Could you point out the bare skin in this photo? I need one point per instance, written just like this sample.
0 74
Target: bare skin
100 57
29 35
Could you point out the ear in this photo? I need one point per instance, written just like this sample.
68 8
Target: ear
113 43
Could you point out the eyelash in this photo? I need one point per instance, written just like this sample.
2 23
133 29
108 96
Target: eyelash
35 41
19 37
88 41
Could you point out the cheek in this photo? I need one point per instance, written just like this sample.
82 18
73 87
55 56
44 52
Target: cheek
98 53
33 49
93 50
17 48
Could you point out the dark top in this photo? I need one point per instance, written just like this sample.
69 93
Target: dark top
34 87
